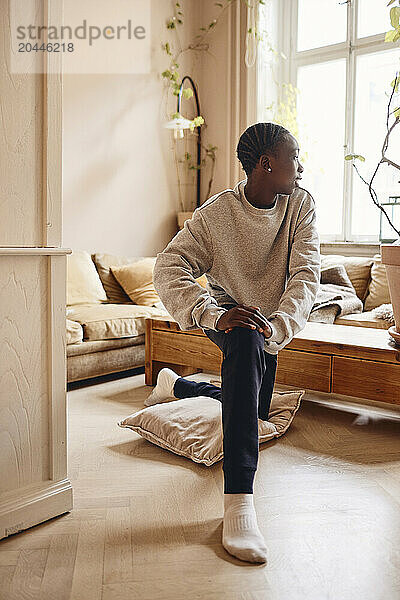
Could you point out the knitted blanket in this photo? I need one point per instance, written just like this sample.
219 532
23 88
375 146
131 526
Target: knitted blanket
336 296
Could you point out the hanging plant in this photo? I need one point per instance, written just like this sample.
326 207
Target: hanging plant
173 80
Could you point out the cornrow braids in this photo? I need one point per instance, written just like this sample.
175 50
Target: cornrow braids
256 140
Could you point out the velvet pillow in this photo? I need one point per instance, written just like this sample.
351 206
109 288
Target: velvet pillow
192 427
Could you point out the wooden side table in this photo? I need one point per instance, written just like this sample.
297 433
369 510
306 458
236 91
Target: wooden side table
342 359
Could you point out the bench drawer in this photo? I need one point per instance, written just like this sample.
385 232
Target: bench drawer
366 379
304 369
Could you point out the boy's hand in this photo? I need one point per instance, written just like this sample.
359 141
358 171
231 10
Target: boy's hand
242 315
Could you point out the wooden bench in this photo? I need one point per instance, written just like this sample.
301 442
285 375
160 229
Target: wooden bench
355 361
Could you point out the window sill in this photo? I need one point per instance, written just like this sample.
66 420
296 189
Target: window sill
351 248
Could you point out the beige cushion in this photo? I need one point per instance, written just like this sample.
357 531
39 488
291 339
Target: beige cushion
114 291
192 427
364 319
83 281
110 321
378 291
137 281
358 269
74 332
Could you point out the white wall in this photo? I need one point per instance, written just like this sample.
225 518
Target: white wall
120 193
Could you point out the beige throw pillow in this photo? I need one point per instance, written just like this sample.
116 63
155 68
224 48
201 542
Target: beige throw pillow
137 281
74 332
83 281
378 291
192 427
358 269
103 262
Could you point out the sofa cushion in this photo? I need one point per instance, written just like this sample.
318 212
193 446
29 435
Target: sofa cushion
364 319
83 281
378 290
137 281
74 332
96 346
192 427
358 269
111 321
114 291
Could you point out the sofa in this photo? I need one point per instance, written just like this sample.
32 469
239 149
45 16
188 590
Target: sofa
106 313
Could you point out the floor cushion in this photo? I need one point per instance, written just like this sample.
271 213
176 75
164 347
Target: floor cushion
192 427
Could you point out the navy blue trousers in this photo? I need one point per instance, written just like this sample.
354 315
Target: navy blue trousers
247 382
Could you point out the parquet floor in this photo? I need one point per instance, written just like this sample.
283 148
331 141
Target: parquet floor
147 524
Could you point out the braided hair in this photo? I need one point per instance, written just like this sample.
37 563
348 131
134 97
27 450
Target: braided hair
256 140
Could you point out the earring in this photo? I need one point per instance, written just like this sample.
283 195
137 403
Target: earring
269 169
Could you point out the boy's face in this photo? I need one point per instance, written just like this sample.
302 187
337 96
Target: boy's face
285 167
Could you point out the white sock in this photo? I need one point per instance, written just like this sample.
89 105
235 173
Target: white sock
241 536
164 389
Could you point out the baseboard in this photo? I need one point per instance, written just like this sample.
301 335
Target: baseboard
23 509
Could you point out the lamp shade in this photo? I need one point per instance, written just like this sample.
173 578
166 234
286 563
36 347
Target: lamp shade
179 123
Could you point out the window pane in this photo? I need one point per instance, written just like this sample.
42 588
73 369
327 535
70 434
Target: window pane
320 23
373 17
321 137
374 74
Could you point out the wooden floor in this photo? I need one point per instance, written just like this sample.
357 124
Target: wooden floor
147 524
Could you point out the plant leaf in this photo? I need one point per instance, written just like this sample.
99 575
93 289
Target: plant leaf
354 156
395 16
396 89
389 37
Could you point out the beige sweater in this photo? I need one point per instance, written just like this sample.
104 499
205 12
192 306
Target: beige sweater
266 257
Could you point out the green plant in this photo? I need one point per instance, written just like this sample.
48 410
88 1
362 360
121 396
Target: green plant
210 154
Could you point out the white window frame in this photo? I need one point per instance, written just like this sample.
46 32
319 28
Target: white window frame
350 50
